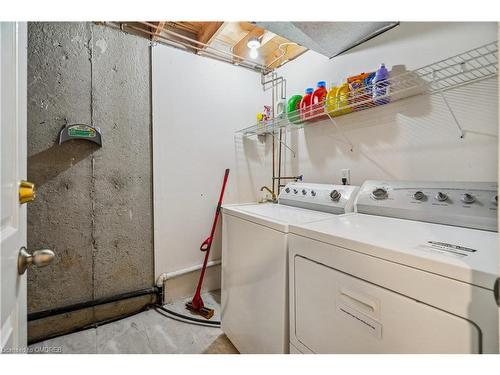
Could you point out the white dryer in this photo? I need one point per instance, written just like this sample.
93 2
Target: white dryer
255 263
412 271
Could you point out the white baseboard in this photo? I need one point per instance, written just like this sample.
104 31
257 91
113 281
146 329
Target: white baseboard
184 285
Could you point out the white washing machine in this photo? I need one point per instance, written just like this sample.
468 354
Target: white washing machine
255 261
411 271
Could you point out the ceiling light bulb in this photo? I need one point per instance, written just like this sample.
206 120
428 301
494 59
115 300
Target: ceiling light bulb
253 43
254 53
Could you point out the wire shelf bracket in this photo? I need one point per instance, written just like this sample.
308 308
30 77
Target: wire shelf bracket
346 139
455 119
448 106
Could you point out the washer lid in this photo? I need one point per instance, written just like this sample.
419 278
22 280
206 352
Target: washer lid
468 255
276 216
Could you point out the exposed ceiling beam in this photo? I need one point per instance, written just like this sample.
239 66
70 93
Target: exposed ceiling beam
190 27
247 26
159 28
209 31
187 29
221 36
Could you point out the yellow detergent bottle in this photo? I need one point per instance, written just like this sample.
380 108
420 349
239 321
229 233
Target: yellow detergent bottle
331 101
343 98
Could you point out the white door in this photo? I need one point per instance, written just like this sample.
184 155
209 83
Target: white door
498 228
13 62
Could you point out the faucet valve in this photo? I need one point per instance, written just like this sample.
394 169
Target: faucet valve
273 194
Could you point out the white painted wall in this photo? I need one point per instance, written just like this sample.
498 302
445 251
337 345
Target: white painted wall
198 104
414 139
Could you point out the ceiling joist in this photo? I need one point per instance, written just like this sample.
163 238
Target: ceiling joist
209 31
159 29
226 39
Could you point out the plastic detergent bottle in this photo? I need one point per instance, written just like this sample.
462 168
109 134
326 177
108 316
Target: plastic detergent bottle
318 98
343 98
331 101
367 91
293 109
280 108
381 86
305 104
361 92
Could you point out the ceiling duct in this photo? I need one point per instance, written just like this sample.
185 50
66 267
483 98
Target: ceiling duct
328 38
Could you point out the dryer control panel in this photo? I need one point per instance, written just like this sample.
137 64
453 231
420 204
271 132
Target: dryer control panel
336 199
463 204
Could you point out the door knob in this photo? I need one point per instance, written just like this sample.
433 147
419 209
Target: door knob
40 258
26 192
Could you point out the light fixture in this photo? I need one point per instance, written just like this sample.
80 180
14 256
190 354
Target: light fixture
253 43
254 53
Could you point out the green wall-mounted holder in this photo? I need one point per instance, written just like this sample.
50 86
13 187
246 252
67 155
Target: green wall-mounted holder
81 131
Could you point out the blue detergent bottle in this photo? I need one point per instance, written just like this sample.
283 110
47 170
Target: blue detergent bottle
381 86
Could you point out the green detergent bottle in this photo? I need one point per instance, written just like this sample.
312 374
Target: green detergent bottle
293 109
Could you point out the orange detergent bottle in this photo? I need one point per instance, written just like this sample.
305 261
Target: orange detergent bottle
358 97
318 99
305 104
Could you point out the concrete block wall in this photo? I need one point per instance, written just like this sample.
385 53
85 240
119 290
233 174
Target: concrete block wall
94 205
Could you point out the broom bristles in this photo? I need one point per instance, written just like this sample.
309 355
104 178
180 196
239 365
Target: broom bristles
204 311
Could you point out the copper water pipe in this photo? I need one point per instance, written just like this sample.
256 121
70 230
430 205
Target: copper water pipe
296 178
274 140
205 45
279 159
216 54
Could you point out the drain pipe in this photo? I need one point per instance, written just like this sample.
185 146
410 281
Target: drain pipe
174 274
162 279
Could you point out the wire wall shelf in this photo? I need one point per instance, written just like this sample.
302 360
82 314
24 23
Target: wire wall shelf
463 69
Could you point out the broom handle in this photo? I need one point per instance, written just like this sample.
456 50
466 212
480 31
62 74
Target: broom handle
207 244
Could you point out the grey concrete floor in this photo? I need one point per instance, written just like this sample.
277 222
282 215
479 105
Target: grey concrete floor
147 332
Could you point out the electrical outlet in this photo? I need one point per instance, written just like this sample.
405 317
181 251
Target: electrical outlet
346 176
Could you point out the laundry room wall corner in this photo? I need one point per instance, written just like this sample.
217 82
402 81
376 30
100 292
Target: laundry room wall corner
196 113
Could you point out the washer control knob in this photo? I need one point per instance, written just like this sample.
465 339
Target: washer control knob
295 191
419 195
313 193
379 193
494 200
441 196
304 191
468 198
287 190
335 195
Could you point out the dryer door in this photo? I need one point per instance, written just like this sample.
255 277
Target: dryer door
338 313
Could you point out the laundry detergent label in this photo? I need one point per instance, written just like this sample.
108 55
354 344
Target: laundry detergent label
81 131
370 325
448 249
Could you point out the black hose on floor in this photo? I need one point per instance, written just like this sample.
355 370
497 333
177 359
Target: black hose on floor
183 320
214 323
